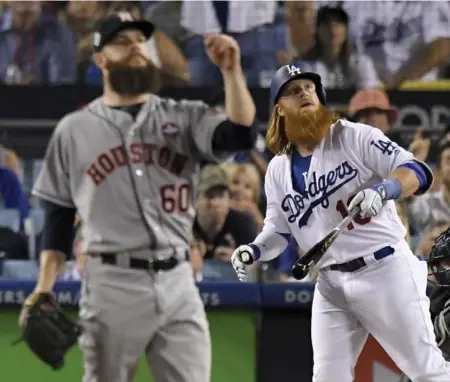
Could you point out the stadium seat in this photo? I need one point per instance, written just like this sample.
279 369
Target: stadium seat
37 165
10 217
37 217
33 228
19 270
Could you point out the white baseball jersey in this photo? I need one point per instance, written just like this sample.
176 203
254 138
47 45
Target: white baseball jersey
391 32
353 157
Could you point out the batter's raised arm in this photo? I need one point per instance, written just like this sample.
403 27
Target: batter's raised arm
272 240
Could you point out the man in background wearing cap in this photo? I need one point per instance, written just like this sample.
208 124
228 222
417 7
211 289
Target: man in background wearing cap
218 229
372 107
128 164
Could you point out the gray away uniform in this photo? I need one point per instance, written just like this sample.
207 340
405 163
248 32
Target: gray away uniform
103 163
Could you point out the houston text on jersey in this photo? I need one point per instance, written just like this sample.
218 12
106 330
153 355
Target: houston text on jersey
143 153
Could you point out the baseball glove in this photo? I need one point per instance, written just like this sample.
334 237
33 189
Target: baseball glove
47 331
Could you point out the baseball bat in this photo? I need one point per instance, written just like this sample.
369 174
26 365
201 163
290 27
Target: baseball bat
302 266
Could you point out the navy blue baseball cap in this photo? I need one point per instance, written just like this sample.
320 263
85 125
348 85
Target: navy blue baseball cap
106 28
291 72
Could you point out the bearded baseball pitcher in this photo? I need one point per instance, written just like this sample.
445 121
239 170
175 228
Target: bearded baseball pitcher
369 281
128 163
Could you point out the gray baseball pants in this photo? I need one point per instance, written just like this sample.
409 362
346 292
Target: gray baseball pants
128 312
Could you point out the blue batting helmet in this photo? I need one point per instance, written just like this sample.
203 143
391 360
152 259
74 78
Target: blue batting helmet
288 73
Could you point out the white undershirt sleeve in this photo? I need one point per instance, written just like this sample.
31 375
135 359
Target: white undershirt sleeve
273 239
271 244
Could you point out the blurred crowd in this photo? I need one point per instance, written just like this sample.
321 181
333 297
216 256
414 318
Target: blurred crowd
356 45
349 43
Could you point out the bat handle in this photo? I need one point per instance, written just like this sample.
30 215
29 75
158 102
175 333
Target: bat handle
348 218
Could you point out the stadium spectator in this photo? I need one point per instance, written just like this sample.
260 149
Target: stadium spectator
10 160
245 190
81 16
13 243
407 40
424 247
334 55
372 107
165 55
424 211
420 145
218 226
12 195
300 24
35 48
4 6
257 27
166 17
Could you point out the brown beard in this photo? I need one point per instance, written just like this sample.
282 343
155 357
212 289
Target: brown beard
307 128
128 80
277 140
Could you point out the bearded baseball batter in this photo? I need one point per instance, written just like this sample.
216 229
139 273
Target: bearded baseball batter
369 280
128 163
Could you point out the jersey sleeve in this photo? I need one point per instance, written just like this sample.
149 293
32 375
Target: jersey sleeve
203 121
378 153
53 183
274 237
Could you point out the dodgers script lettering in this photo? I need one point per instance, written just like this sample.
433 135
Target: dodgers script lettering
317 192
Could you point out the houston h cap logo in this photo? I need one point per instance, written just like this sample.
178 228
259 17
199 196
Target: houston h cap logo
293 70
125 16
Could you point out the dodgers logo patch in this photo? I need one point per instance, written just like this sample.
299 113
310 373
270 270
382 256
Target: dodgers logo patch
317 193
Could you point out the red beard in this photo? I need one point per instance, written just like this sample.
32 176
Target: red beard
307 128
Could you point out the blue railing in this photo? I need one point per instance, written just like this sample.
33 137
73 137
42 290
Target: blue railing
214 294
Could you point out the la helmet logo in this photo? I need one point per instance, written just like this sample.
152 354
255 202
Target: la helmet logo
293 70
97 39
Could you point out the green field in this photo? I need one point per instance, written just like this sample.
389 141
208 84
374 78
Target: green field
233 339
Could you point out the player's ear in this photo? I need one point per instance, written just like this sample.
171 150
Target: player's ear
279 110
99 60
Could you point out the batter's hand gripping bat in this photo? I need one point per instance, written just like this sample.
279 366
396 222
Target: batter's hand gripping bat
302 266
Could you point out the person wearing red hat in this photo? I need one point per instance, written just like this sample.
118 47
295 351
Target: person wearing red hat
372 107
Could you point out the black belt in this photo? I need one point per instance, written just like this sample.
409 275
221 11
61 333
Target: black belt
142 264
356 264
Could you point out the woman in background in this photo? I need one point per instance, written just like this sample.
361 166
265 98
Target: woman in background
334 55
